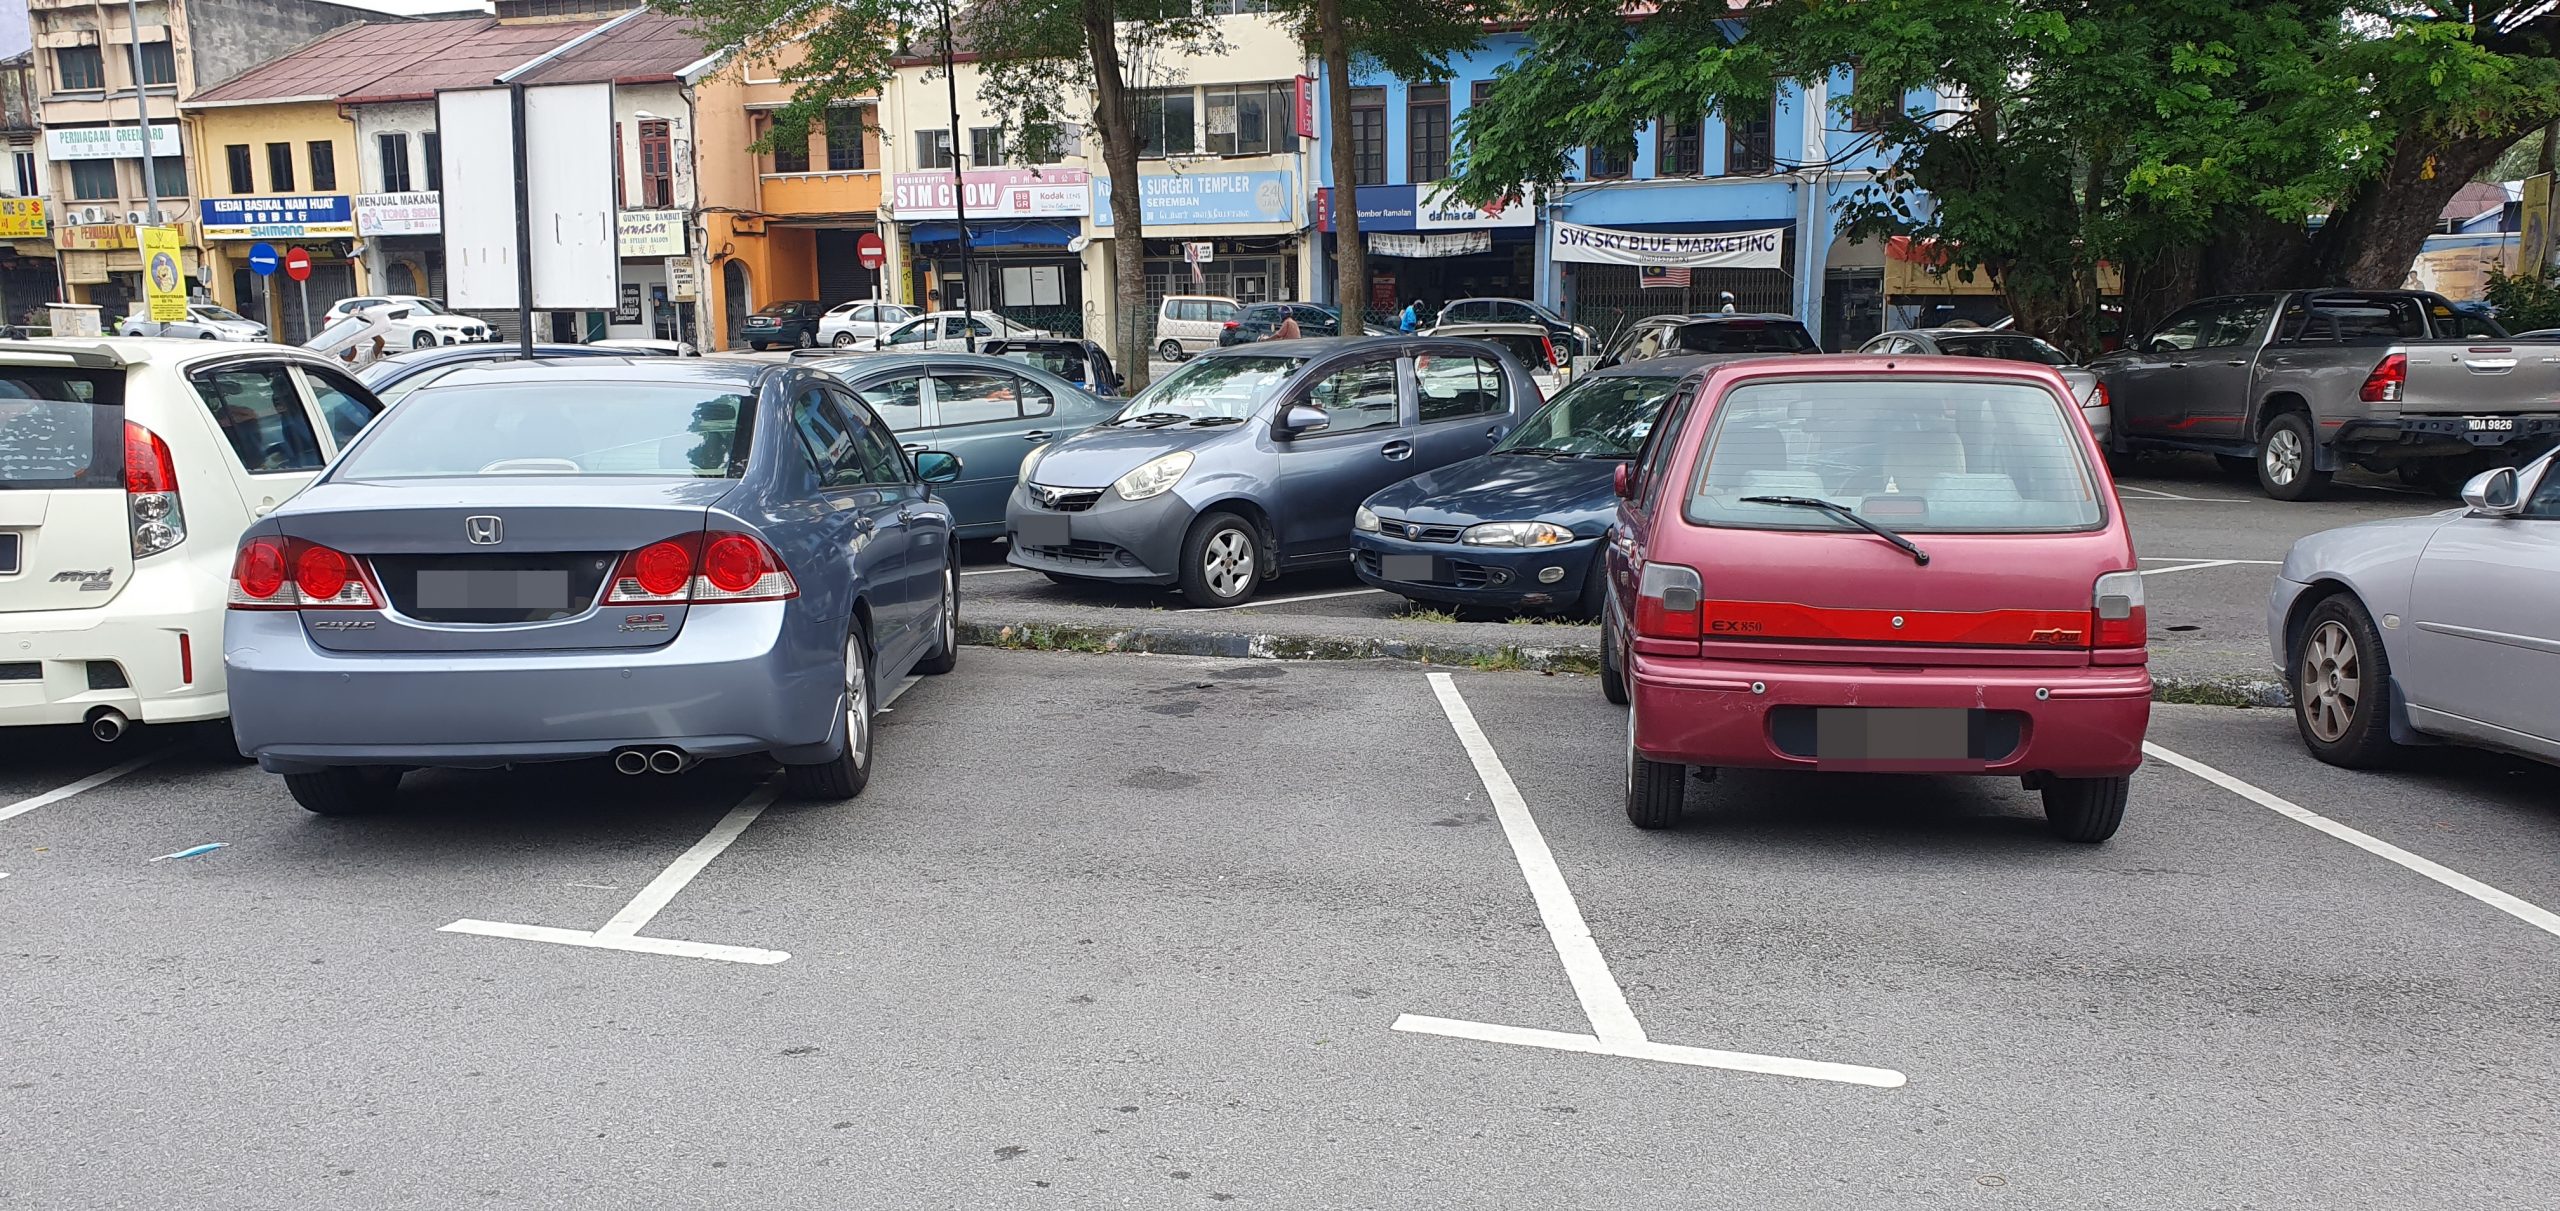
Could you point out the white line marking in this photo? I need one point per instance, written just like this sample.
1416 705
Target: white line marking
92 782
2157 494
1280 601
1697 1057
672 880
2531 914
649 946
2189 567
2200 559
994 571
1614 1029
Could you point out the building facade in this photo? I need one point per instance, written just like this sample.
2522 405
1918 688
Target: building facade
783 225
29 274
278 174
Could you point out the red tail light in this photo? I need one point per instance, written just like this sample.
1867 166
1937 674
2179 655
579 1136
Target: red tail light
2104 398
151 492
1231 324
292 574
704 569
2116 614
1549 348
1667 602
2384 384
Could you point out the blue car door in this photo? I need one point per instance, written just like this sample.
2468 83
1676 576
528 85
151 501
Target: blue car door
856 513
1366 444
912 539
991 419
1465 405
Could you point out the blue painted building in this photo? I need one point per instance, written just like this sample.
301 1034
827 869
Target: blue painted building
1779 173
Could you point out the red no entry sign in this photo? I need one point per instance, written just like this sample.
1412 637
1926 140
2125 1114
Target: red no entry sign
297 264
869 250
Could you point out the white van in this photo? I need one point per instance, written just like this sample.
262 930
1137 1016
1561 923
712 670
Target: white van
1190 323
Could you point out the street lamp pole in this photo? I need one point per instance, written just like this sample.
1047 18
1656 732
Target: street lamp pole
142 129
959 189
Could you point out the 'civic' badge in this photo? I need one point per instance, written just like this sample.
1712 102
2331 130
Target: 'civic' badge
484 531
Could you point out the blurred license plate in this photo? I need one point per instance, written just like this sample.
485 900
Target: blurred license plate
445 589
2493 424
1043 530
1418 568
8 553
1891 733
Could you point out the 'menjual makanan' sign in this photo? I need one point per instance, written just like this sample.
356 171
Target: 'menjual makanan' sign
1761 249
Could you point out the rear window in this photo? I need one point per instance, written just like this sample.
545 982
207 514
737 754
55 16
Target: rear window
1748 336
1920 457
1532 351
589 428
2354 320
61 428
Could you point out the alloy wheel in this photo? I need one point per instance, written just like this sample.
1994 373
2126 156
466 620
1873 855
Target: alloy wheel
1226 562
2283 456
950 611
857 702
2331 680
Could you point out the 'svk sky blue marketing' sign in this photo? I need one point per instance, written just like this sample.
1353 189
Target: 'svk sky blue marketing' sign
1192 199
295 217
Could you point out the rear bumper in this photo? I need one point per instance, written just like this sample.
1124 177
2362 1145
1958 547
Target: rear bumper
143 644
2089 724
1493 577
2449 434
727 685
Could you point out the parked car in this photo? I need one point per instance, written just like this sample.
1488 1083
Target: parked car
394 377
936 331
1190 323
1249 462
127 470
1675 335
2468 650
989 411
861 321
1571 340
794 322
2293 386
204 322
1855 564
1519 529
650 562
428 322
647 346
1082 362
1531 343
2012 346
1261 322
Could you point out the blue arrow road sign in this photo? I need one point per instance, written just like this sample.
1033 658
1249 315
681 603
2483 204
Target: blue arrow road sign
262 259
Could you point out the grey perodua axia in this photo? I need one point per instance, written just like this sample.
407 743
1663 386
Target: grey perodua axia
1249 461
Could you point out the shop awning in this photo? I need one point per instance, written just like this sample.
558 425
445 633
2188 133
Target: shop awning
1043 233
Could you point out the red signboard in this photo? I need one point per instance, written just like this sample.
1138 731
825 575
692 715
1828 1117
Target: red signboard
1306 107
868 249
297 264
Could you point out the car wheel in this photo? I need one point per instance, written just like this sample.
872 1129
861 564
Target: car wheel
844 340
207 336
1221 561
423 340
946 624
2284 460
755 346
1613 681
844 775
1655 791
806 339
2086 810
1168 351
2340 681
346 790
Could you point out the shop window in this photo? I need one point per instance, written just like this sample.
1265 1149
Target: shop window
28 185
986 145
1167 123
1369 136
790 155
243 178
844 139
159 64
169 174
933 149
1426 133
280 168
657 165
1748 129
93 180
395 162
1602 162
324 164
1251 120
431 148
78 69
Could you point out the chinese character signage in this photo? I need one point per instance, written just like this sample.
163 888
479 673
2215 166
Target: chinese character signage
398 214
164 283
298 217
22 219
1196 198
994 193
652 233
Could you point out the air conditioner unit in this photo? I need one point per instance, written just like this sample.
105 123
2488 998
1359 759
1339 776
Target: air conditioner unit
91 214
133 217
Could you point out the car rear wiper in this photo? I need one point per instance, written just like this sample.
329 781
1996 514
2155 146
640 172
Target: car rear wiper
1844 513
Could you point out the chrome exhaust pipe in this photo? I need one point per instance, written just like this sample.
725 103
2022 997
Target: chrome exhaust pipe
107 725
631 761
668 761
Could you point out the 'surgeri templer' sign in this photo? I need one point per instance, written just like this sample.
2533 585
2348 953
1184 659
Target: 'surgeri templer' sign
994 193
1761 249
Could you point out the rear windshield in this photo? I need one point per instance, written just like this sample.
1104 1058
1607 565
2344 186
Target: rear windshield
1594 418
1915 456
1748 336
61 428
570 428
1064 363
1228 387
2011 346
1531 350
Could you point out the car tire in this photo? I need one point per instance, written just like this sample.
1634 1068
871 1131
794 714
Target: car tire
2339 678
806 339
946 653
1589 604
207 336
755 346
2085 810
844 340
1656 792
345 790
1168 351
1613 680
843 776
1222 561
2284 460
423 340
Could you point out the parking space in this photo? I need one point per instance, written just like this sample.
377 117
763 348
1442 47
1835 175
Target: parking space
1141 930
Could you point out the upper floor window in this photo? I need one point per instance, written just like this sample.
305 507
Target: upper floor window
790 155
1369 136
1679 147
844 138
1748 131
78 69
1167 123
93 180
1868 117
169 176
159 64
280 167
986 145
243 176
1608 162
28 185
1426 132
933 149
324 164
1251 119
395 161
657 165
431 149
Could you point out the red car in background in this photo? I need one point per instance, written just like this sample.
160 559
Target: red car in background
1859 563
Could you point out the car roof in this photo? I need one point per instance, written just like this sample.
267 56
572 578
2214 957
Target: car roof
492 352
1490 329
107 352
1714 317
708 371
1720 372
1327 347
1679 365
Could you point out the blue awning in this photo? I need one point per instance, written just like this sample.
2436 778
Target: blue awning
1014 233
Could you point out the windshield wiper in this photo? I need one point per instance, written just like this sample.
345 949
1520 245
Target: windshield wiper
1540 451
1156 418
1844 513
1219 420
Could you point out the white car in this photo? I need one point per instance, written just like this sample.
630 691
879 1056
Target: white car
429 322
861 322
649 346
128 470
939 331
204 322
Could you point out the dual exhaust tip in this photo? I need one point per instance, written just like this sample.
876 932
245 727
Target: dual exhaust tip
635 761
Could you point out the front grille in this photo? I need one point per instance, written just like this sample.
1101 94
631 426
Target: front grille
1065 500
22 671
1078 551
107 675
1414 531
493 589
1447 572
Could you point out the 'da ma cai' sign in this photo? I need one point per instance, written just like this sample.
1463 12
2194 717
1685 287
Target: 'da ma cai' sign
1761 249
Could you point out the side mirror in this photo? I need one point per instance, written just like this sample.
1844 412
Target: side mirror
2497 493
1302 419
937 466
1623 481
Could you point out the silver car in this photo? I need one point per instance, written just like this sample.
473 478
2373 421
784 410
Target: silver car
2012 346
2427 630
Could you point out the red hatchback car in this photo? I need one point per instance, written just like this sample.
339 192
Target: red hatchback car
1899 565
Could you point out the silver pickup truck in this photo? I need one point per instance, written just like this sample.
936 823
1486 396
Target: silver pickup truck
2293 386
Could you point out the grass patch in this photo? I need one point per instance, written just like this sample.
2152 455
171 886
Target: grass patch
1500 660
1031 637
1416 613
1573 662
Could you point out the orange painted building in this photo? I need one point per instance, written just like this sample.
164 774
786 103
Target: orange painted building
780 226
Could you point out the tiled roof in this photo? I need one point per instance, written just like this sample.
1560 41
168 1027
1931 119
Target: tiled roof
649 47
409 59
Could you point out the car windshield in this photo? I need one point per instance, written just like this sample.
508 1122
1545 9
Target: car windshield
1747 336
1595 418
558 428
426 307
1229 387
2009 345
1919 456
210 312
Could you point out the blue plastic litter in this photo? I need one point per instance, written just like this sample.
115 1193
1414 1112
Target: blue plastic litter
193 851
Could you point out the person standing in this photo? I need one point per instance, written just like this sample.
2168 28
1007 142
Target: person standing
1288 330
1406 321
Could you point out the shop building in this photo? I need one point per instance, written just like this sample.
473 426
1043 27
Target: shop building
274 173
783 225
30 276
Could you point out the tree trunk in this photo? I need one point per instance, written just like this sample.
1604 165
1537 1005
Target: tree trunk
1351 280
2254 252
2370 241
1119 131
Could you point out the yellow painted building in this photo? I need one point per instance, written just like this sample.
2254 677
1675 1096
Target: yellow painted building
779 226
279 172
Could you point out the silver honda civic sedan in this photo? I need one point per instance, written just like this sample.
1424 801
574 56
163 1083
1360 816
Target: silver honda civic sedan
650 561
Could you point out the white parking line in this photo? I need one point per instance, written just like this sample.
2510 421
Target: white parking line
2531 914
1614 1029
92 782
1281 601
2157 494
2200 559
2189 567
993 571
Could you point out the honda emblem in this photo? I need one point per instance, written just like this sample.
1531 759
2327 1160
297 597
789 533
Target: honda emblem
484 531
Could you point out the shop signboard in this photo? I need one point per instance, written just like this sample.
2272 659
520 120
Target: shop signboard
419 213
108 142
994 193
1763 248
1421 208
652 233
1193 199
22 219
680 280
293 217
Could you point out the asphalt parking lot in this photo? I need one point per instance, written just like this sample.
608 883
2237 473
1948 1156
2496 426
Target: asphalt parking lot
1163 931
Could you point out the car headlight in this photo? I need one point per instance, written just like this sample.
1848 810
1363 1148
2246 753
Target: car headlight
1364 521
1155 478
1031 461
1516 534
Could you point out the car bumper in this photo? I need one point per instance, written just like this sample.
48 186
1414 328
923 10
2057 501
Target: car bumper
1493 577
2450 434
727 685
2071 723
2102 423
169 661
1134 542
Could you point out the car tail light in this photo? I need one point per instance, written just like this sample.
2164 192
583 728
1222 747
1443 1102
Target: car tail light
2117 619
703 569
294 574
151 492
1667 602
1232 325
2384 384
1549 348
2103 398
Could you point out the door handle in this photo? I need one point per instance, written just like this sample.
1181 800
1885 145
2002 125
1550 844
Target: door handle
2177 365
911 447
2237 361
1396 450
1493 434
1036 435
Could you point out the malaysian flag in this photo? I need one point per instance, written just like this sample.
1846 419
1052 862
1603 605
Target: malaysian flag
1657 277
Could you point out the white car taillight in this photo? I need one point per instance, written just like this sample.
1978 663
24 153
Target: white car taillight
151 492
2116 612
1668 602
